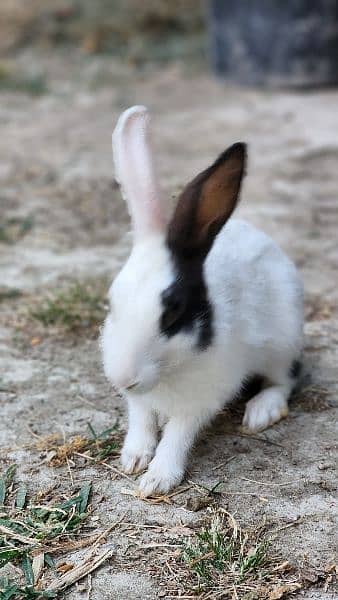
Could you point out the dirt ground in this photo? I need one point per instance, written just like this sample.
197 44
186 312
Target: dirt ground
57 182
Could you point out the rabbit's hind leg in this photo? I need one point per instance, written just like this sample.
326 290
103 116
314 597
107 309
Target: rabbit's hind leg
267 408
271 404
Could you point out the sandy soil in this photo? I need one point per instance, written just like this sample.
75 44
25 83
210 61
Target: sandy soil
55 169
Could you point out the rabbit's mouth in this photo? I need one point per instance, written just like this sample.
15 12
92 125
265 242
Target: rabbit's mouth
140 387
146 380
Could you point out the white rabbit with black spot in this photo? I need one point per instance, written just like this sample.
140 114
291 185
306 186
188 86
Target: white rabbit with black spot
204 302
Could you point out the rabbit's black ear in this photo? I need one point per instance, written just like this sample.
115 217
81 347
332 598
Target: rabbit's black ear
206 203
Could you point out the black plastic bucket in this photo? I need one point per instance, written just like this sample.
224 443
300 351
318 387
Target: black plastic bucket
275 42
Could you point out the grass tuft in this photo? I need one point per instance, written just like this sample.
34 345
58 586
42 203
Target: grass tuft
222 551
5 482
25 526
80 306
97 447
10 590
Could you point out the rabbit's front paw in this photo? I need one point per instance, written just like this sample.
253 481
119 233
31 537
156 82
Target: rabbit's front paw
136 459
159 479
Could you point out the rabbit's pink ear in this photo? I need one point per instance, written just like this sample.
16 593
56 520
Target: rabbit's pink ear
135 173
206 203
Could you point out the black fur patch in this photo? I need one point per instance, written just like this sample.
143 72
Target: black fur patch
203 208
190 292
295 369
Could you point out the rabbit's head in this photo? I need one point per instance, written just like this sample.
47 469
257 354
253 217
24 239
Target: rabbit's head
160 310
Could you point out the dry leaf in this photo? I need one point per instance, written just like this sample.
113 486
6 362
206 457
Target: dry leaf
65 567
37 566
285 566
282 590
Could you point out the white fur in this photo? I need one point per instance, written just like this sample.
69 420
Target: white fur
257 301
131 152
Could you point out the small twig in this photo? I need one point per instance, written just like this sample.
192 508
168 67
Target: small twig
226 462
37 566
295 522
104 534
271 483
235 595
16 536
116 470
230 493
70 546
70 472
71 515
91 540
89 589
181 491
83 569
254 494
282 566
198 559
83 455
258 439
86 401
155 545
28 427
233 522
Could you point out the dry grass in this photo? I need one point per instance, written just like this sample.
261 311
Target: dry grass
213 558
222 560
96 447
29 527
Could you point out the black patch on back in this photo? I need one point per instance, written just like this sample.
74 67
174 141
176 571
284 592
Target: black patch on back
295 369
190 290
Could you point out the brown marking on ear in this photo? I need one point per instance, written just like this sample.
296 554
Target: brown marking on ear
206 204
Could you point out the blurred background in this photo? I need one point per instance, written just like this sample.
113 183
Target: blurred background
212 73
138 33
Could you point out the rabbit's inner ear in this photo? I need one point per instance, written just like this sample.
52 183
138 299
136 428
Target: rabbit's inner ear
206 204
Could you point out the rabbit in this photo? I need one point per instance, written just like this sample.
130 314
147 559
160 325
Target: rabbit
204 302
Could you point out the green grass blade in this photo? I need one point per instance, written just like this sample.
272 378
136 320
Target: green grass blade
2 491
92 431
9 555
107 432
84 497
49 561
8 590
21 496
9 474
27 569
5 482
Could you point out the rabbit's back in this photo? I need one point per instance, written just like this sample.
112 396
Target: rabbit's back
255 289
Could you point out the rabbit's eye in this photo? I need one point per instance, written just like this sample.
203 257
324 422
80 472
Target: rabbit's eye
174 308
